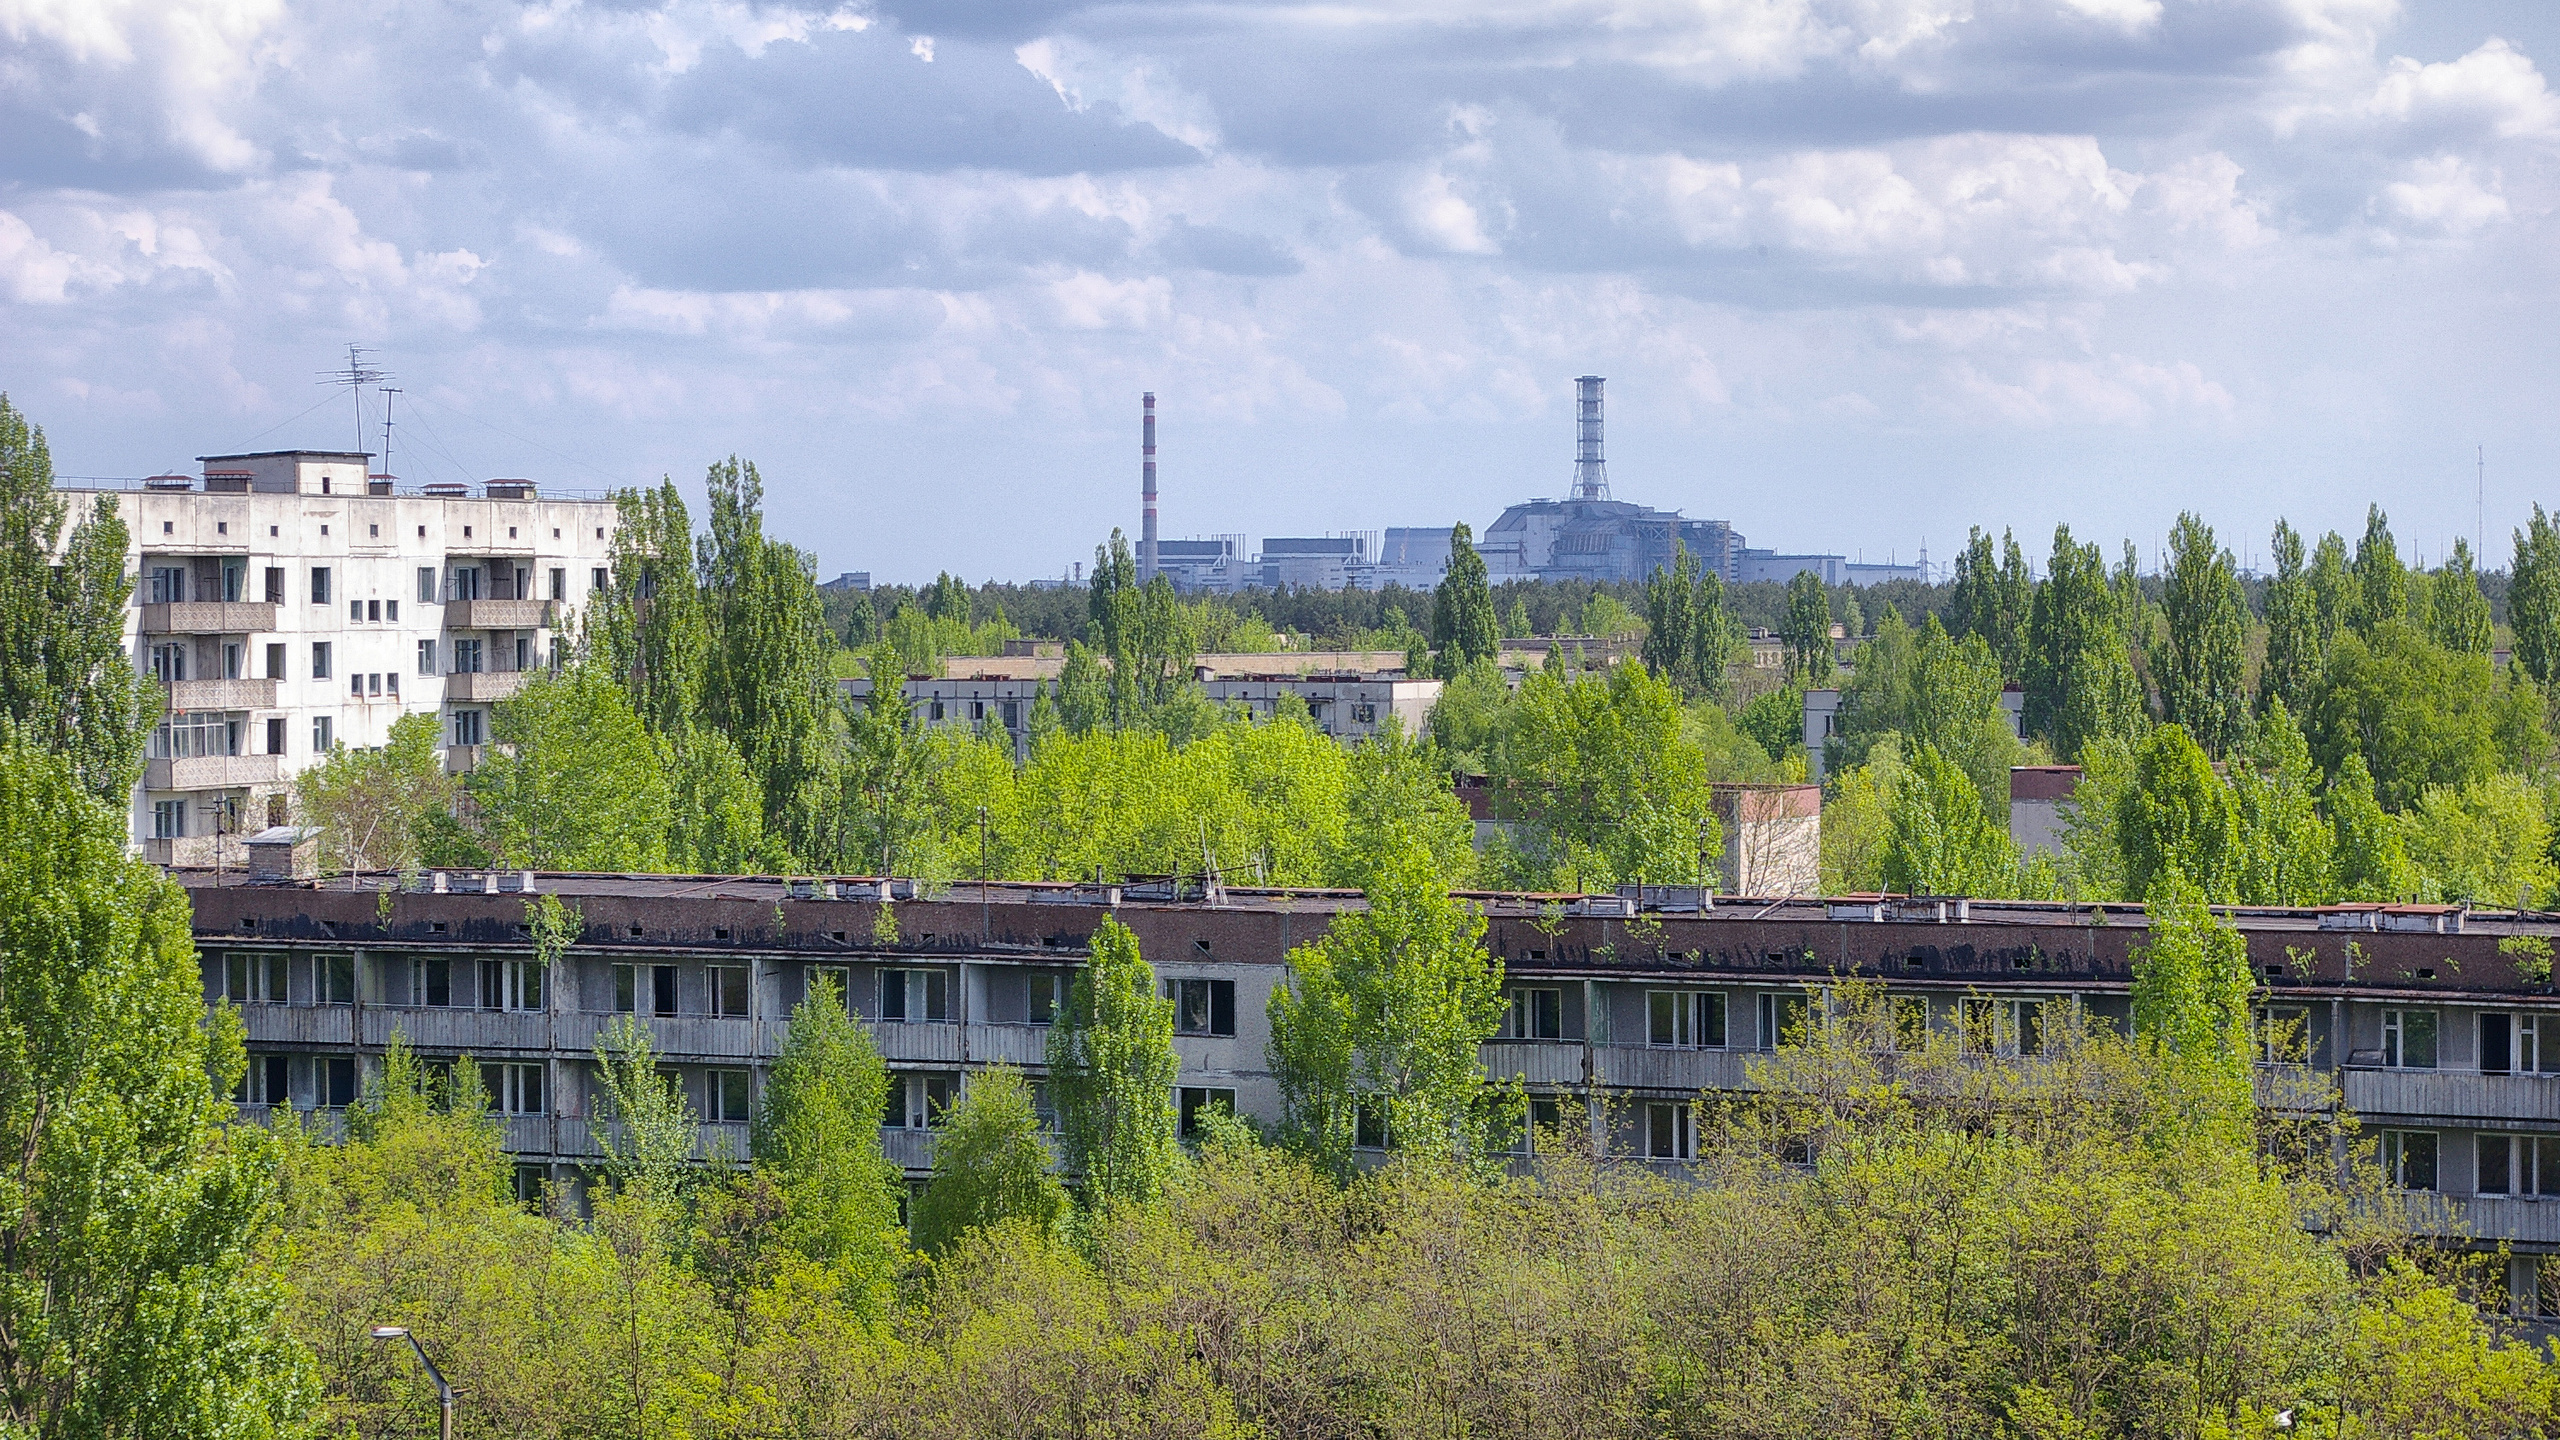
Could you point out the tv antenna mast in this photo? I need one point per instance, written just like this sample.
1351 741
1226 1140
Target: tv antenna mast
387 393
2480 505
355 377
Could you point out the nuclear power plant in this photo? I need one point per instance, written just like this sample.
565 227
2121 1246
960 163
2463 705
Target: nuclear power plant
1589 536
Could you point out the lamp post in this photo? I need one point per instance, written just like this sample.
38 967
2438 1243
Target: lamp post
444 1392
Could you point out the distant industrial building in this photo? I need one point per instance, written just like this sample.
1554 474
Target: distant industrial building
1215 566
1414 557
855 582
1592 537
1768 565
1315 562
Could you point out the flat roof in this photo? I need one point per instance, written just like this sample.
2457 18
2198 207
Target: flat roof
291 455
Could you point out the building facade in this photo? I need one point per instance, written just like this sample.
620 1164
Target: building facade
1348 706
290 602
1624 1010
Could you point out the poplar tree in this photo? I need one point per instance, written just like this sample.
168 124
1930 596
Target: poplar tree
2457 613
2334 592
2382 581
1973 605
1463 627
2080 683
989 1165
1112 1069
1670 599
765 682
1941 839
1715 638
2533 597
2191 991
2296 649
817 1134
65 679
574 780
2016 594
2287 851
2372 853
134 1293
647 627
2178 816
1807 630
2203 686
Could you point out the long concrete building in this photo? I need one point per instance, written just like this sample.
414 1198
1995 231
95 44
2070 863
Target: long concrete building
1624 1010
291 602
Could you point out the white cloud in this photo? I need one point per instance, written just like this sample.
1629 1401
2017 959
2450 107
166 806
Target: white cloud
2445 194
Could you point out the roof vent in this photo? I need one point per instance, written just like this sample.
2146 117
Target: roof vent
169 482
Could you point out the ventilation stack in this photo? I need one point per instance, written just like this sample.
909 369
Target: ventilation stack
1147 487
1590 472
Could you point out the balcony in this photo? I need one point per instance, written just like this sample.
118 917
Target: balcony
220 694
316 1025
1018 1045
2511 1218
208 617
211 772
197 851
920 1042
498 615
2451 1095
483 685
1641 1067
481 1033
1534 1062
908 1149
678 1037
463 759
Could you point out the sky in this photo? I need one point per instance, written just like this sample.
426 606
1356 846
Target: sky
1861 274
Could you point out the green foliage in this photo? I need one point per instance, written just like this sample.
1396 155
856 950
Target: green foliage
132 1302
647 627
643 1124
1463 629
1732 757
715 810
2381 580
1112 1069
2372 855
1940 840
1992 600
817 1135
2191 990
2488 842
1599 785
1806 631
2202 686
1670 595
2533 597
1690 638
765 680
2419 715
2080 684
2178 817
1467 717
66 682
377 809
575 781
2457 613
2287 851
1387 1010
989 1165
1145 632
1775 720
1857 821
2297 644
2336 597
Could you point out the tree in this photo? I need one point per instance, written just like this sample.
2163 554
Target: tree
765 681
1955 708
886 775
947 598
1463 629
2420 715
1715 640
375 809
2335 595
2533 597
2382 581
2080 683
2372 855
716 812
1112 1070
65 679
2287 851
1599 784
647 627
1857 821
2191 989
1394 795
133 1295
2202 684
1876 700
575 781
1941 840
1387 1012
1084 691
2296 644
1992 600
643 1125
817 1134
2178 816
1669 598
989 1165
2457 613
1806 630
1973 606
2487 843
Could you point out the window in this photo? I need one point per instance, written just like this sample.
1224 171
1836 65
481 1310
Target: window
319 584
1783 1019
391 683
837 976
511 984
267 1081
355 612
915 995
1202 1007
232 659
169 661
728 989
252 977
1196 1102
1670 1132
1545 1113
516 1089
466 582
1684 1019
1909 1016
426 657
2284 1034
235 576
373 532
168 819
338 1077
356 684
1534 1014
275 662
2512 1044
2409 1159
426 584
275 735
916 1101
275 580
2519 1164
559 583
596 578
1369 1128
1045 995
524 652
466 657
334 977
2409 1039
320 660
373 612
187 735
727 1095
466 727
168 584
652 986
431 982
323 735
1362 714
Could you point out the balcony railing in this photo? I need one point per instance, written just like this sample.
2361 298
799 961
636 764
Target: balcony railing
483 685
330 1025
221 694
908 1149
210 772
498 615
479 1032
208 617
2452 1095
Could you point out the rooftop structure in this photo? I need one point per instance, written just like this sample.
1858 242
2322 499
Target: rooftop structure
1591 537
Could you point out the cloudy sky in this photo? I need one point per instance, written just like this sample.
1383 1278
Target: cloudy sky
1860 273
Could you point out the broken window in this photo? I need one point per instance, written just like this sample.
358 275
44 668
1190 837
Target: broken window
1202 1007
1535 1013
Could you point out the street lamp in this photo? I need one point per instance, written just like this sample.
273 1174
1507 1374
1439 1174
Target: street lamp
444 1392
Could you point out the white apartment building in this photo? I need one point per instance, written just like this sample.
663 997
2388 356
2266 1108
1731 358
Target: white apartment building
291 602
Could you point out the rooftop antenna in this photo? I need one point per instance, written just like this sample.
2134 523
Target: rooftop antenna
387 393
2479 505
355 377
